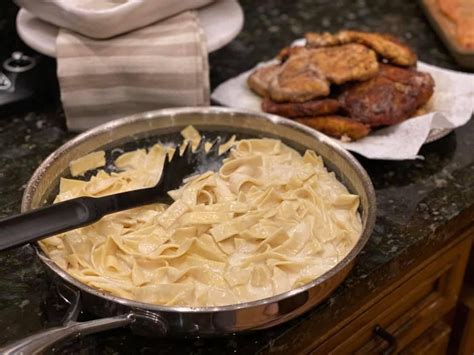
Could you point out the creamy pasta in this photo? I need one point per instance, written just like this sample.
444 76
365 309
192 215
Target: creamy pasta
268 221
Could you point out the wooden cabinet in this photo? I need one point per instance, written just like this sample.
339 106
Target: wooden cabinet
409 318
463 339
434 341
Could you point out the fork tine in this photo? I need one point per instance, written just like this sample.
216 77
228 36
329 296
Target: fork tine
178 166
214 150
188 151
226 152
170 156
166 162
201 144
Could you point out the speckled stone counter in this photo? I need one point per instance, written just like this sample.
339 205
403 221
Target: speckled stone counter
421 204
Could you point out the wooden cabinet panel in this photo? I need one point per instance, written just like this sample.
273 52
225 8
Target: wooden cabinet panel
463 326
434 341
408 311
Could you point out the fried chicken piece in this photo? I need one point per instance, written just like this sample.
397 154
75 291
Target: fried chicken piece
299 80
287 52
303 109
386 45
337 126
345 63
423 110
307 72
339 64
422 83
324 39
391 97
260 79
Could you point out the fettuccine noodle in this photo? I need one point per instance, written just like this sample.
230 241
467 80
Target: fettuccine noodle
268 221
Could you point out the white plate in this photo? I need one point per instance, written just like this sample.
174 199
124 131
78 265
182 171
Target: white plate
221 22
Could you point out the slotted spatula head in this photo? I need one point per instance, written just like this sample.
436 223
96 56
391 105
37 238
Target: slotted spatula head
78 212
179 166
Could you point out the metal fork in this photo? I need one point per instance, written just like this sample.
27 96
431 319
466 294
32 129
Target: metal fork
78 212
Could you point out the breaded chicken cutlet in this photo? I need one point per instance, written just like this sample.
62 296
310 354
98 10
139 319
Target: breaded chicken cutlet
336 84
310 108
349 62
299 80
337 126
260 79
385 45
308 73
394 95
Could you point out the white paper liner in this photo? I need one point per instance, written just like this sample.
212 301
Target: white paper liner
451 106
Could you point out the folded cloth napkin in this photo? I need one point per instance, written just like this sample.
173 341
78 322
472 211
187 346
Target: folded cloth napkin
106 18
162 65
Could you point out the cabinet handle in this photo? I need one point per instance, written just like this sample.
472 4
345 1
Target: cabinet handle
389 338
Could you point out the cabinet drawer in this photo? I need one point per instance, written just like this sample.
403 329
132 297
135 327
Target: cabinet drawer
407 312
433 342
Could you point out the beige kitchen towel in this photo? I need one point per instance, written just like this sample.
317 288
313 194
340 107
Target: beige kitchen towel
162 65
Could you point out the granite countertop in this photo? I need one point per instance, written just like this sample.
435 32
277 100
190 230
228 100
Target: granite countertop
421 203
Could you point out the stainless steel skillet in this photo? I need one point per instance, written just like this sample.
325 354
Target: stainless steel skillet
155 320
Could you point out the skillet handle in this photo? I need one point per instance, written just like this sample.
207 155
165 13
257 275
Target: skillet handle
39 342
